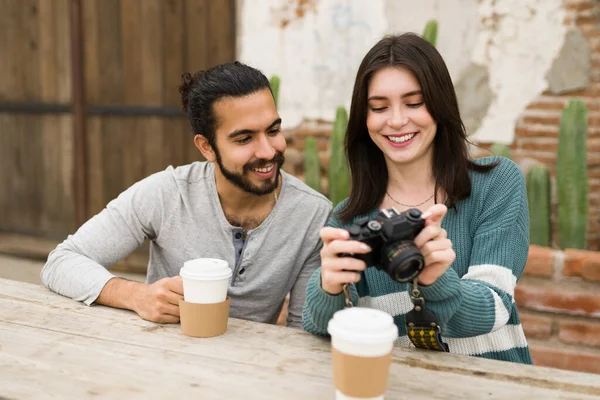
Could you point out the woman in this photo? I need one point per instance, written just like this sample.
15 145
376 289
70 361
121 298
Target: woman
407 148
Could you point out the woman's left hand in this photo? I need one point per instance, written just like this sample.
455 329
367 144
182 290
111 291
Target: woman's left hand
435 246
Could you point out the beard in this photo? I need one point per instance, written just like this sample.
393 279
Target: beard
242 181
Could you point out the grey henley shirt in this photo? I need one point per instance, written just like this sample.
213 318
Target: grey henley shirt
179 212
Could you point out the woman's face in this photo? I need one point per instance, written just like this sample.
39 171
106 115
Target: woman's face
397 118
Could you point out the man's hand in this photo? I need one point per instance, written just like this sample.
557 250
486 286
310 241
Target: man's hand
157 302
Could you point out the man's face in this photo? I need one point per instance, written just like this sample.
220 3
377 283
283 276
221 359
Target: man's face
249 145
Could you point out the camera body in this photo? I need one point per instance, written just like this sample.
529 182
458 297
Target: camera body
390 235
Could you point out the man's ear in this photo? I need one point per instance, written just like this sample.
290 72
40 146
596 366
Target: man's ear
205 148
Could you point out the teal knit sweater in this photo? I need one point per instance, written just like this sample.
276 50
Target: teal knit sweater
474 299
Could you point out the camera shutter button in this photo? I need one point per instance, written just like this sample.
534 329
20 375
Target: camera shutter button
414 213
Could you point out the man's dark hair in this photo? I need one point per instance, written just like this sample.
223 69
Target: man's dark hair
200 91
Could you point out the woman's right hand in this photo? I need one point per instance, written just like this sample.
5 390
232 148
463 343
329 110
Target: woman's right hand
335 270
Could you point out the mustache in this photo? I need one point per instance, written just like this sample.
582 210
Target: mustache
277 160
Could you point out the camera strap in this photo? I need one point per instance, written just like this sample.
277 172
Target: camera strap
421 325
347 296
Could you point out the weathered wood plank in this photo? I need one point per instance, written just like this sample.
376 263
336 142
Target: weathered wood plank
78 366
135 52
9 36
270 347
131 31
152 52
24 50
221 31
110 78
35 149
196 35
54 61
173 19
101 358
57 218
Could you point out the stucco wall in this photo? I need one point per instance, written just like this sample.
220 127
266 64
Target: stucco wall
504 47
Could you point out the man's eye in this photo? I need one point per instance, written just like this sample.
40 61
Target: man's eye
415 105
275 131
243 140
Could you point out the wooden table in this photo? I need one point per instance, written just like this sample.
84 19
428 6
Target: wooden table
53 347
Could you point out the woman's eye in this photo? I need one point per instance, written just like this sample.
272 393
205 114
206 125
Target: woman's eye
415 105
378 109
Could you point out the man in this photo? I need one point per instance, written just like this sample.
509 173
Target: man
238 206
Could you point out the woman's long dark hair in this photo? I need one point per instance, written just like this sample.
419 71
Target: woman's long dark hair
450 152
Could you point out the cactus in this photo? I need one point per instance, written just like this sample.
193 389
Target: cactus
312 164
571 176
275 81
430 32
338 171
538 195
501 150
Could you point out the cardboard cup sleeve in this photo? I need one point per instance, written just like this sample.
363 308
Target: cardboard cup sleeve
204 320
362 377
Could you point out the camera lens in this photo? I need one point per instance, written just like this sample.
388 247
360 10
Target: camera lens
402 261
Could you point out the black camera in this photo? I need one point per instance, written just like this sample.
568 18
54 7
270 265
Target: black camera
390 235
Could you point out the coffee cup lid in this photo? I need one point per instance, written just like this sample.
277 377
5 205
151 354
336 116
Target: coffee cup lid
363 325
206 269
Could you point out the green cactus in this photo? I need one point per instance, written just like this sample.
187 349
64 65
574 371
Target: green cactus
312 164
275 81
571 176
338 171
500 149
538 195
430 32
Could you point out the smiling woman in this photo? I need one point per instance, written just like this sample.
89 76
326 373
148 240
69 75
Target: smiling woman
407 148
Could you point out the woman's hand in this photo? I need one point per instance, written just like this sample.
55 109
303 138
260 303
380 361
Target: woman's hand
435 246
336 270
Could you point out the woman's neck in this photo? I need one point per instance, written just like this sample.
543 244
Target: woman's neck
410 185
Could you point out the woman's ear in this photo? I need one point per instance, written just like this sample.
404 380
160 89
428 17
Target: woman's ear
205 148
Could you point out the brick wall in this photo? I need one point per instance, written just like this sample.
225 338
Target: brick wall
559 304
536 132
559 295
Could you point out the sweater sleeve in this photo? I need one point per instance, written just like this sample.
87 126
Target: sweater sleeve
298 292
320 305
77 268
481 301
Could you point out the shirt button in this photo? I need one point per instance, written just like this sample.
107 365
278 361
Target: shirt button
238 235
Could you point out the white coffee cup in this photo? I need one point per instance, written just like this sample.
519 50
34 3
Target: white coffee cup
205 280
361 332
